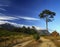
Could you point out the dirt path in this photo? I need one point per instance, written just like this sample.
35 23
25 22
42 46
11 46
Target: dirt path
46 43
23 44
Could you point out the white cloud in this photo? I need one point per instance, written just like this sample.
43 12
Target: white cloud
3 9
28 18
4 17
7 18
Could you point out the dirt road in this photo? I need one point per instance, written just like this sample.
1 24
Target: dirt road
45 43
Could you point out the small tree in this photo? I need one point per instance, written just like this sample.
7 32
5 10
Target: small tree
47 15
23 29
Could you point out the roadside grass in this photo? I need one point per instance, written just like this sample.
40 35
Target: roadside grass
14 40
8 38
56 40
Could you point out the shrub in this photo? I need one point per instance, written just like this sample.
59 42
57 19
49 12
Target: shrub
36 37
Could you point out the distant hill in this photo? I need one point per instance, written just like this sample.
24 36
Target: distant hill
10 27
7 26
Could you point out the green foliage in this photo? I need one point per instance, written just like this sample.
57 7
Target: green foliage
25 30
47 13
4 32
18 30
36 37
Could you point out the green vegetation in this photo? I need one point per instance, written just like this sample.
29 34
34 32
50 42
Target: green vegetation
7 33
36 37
18 31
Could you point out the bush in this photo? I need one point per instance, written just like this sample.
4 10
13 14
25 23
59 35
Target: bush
36 37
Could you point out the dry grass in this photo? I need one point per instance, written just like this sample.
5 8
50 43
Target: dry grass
54 39
57 43
14 40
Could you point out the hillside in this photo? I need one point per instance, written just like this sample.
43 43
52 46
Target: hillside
11 27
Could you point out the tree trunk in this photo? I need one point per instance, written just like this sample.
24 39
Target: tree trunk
46 23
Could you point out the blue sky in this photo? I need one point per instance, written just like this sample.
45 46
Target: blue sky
25 12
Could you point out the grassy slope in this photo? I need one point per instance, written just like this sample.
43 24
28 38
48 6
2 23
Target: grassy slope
7 37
